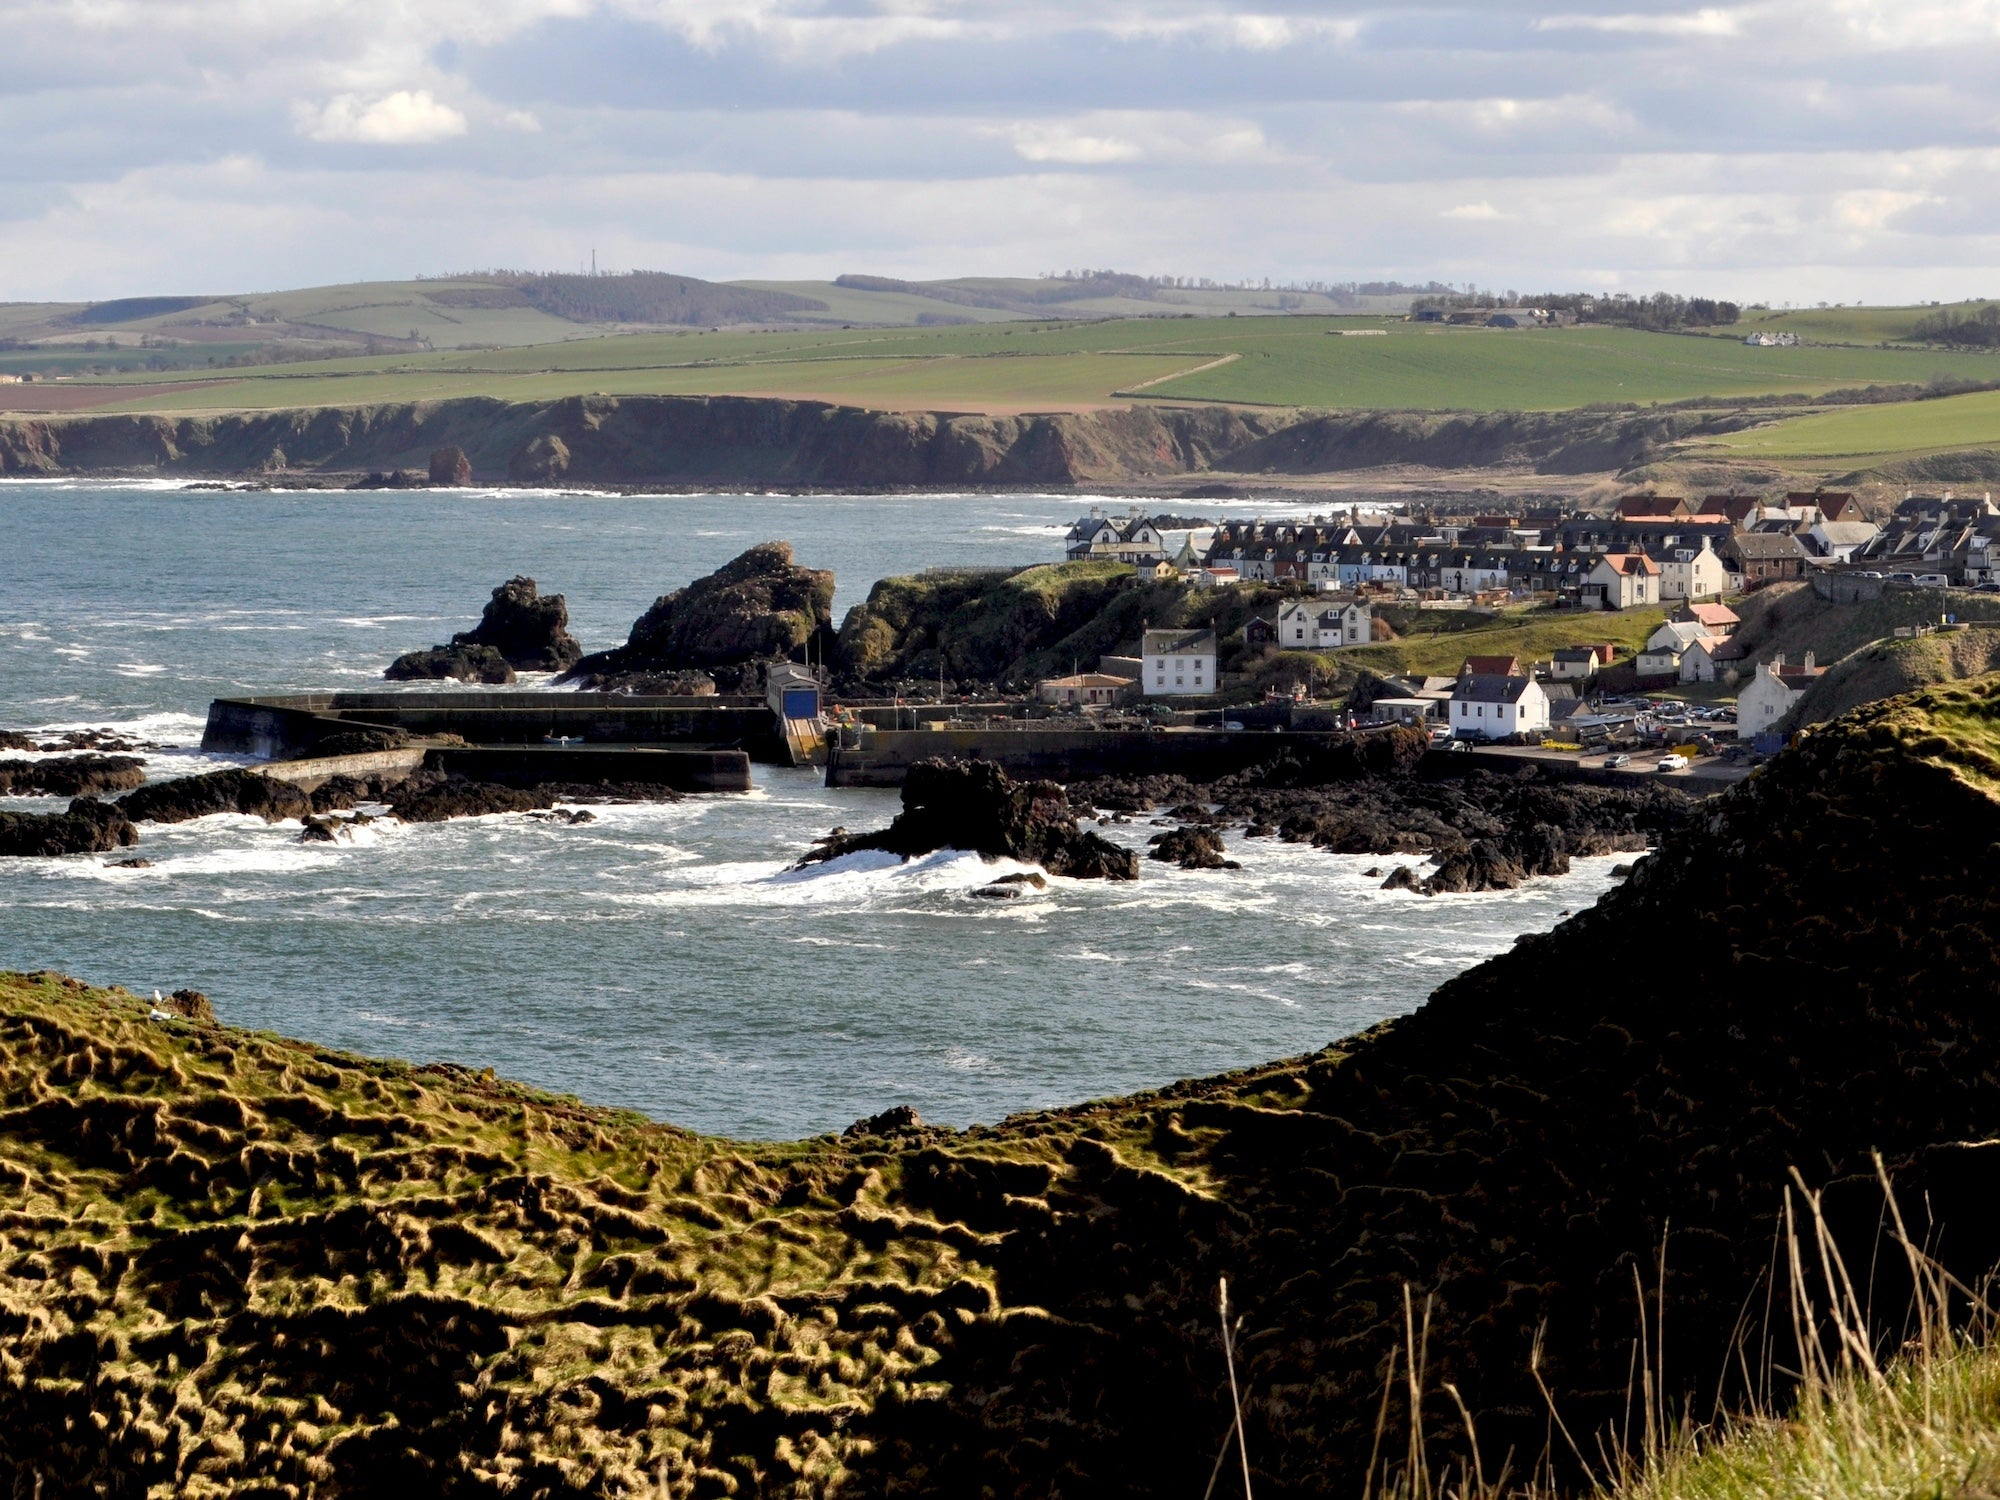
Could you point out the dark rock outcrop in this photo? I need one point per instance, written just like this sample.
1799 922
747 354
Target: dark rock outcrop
1487 830
190 797
88 827
759 606
974 805
436 801
453 663
520 630
71 775
190 1005
1192 848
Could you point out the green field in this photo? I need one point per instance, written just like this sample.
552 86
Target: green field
1265 361
1839 325
1911 427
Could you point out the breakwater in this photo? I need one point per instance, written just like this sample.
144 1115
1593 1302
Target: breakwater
294 726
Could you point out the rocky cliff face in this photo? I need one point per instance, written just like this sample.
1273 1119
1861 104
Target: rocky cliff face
759 606
242 1263
745 440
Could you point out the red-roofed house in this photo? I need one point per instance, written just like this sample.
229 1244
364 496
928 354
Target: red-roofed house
1491 666
1716 619
1622 580
1652 507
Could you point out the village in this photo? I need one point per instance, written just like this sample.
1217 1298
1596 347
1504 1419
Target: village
1689 689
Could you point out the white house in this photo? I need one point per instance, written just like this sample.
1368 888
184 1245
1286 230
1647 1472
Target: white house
1573 663
1840 540
1771 693
1354 625
1492 708
1708 658
1621 580
1177 661
1298 626
1691 568
1217 577
1675 636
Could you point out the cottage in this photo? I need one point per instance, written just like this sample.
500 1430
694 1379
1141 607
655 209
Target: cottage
1178 662
1086 689
1402 711
1840 540
1258 631
1494 708
1622 580
1771 694
1491 666
1707 659
1351 625
1574 664
1675 636
1217 577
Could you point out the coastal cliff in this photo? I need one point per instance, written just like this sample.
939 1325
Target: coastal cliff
733 440
232 1263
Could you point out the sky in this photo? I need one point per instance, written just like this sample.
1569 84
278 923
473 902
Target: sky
1780 150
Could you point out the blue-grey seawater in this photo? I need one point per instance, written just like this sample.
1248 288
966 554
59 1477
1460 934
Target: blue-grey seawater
661 958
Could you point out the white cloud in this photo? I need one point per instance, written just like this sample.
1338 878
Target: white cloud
1710 21
408 117
1479 210
1104 137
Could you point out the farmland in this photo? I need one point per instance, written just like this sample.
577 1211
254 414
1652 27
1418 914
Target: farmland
1014 366
1912 427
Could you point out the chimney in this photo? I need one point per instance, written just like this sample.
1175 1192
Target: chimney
1809 661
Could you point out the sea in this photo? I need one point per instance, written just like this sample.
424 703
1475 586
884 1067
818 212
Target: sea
666 959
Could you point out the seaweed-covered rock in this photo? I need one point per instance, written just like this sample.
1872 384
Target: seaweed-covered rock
71 775
520 630
189 797
87 827
974 805
759 606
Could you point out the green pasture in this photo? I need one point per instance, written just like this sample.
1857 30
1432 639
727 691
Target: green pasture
1435 643
1969 421
1840 325
1262 361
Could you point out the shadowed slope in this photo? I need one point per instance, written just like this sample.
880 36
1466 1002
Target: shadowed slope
229 1258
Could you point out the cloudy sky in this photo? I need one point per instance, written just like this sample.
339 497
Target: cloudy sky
1784 150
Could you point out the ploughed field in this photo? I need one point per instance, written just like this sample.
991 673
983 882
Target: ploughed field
230 1262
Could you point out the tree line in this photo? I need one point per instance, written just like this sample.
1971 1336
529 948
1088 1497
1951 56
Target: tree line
1975 330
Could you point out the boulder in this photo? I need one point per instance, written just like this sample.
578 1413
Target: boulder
88 827
190 1005
760 606
190 797
450 466
520 630
437 801
974 805
901 1120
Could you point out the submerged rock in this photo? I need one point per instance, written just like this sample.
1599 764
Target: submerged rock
189 797
71 775
520 630
760 606
974 805
88 827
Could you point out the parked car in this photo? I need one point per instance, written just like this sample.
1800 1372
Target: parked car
1934 580
1612 762
1868 575
1670 763
1989 587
